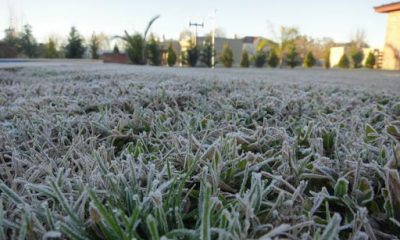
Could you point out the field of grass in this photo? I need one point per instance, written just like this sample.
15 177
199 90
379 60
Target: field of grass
91 151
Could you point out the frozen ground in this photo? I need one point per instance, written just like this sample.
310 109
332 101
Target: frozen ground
91 151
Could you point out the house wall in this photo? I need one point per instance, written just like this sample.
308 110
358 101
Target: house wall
336 55
391 51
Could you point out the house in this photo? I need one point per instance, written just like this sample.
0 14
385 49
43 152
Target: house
164 45
391 50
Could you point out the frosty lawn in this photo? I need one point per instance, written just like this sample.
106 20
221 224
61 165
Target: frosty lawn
92 151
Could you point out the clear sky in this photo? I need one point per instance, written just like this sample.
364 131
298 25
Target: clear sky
338 19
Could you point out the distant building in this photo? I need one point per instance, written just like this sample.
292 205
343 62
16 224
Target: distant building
164 45
391 51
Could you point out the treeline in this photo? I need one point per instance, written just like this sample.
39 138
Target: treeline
290 50
24 45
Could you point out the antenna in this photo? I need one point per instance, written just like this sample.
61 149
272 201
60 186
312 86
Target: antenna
196 25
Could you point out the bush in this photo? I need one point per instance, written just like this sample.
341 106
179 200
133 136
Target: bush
260 59
273 59
357 56
74 48
245 61
344 62
226 57
171 56
327 63
153 52
292 57
371 61
310 60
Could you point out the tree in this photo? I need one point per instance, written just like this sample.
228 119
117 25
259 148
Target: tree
12 39
74 48
206 52
7 50
309 60
260 59
94 46
50 49
153 52
245 61
327 59
357 57
191 56
29 46
171 56
371 61
136 44
226 57
116 49
273 59
292 57
344 62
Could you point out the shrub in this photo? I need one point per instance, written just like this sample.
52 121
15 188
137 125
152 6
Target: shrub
292 57
371 61
74 48
260 59
357 56
344 62
153 52
310 60
273 59
171 56
327 62
226 57
245 61
7 50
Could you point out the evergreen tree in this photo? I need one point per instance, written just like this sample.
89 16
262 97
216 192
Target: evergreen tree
371 61
116 49
153 52
191 56
74 48
171 56
206 53
357 56
309 60
327 62
292 57
245 61
273 59
28 44
260 59
344 62
226 57
50 49
94 46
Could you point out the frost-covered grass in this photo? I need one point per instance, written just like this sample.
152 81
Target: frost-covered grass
121 152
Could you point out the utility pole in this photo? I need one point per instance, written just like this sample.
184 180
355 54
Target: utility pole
196 25
213 17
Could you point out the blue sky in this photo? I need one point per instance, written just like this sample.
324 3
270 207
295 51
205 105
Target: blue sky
318 18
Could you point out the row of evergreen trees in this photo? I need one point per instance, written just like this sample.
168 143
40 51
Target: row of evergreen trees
355 60
24 44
